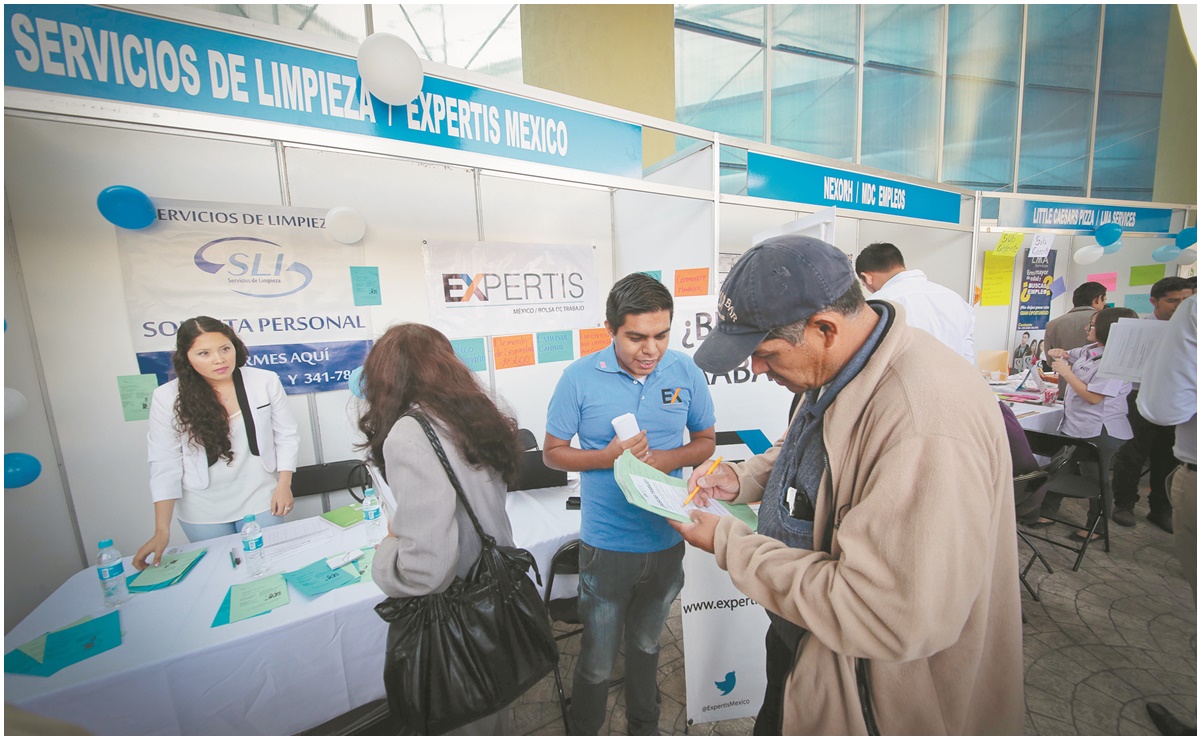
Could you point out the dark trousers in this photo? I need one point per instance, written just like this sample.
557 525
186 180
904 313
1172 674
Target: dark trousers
1149 441
780 657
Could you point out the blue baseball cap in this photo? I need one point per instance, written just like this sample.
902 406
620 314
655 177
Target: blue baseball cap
777 282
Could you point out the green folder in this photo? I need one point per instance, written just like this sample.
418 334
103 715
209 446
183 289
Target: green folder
345 516
659 493
171 570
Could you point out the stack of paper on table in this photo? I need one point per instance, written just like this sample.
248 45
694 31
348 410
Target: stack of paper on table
318 578
663 494
171 570
285 539
56 650
246 600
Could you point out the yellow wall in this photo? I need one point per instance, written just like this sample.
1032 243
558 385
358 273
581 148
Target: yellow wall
620 55
1176 160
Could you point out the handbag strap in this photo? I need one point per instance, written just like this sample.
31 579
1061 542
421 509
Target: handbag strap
450 473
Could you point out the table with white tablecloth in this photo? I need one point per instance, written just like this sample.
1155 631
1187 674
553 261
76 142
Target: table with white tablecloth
276 674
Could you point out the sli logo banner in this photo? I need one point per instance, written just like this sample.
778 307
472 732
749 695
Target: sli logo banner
252 270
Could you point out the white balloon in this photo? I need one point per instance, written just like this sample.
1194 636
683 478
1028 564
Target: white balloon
14 404
1186 256
390 69
345 225
1088 255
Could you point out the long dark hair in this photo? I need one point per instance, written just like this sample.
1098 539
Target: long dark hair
414 364
198 411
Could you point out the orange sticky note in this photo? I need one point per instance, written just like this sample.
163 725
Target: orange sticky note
515 351
692 282
593 340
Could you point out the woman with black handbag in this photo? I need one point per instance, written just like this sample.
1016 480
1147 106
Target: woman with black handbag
448 563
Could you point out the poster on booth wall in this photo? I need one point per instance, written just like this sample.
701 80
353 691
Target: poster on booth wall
1028 350
1034 296
272 273
725 677
492 288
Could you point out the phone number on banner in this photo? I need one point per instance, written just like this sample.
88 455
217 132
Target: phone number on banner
302 368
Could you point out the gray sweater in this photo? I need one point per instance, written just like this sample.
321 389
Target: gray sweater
434 540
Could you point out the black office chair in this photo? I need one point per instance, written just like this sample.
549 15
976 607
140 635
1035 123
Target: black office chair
534 473
566 562
1085 475
1026 487
325 478
526 440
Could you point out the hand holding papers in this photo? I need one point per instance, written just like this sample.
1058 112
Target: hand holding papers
662 494
170 571
1130 343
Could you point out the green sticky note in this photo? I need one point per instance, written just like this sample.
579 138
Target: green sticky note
169 571
364 281
471 353
317 578
555 346
345 516
257 597
1146 274
136 391
1140 302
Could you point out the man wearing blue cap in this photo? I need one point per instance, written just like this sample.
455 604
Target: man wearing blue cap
885 554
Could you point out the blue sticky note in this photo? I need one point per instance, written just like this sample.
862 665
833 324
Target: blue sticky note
1140 302
1058 288
364 281
656 274
471 353
316 579
555 346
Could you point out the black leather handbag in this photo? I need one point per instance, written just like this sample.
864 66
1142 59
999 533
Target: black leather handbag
460 655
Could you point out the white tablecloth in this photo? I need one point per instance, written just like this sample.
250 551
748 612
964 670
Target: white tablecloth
276 674
1038 418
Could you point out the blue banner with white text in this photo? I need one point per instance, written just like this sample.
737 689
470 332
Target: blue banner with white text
115 55
1033 214
302 368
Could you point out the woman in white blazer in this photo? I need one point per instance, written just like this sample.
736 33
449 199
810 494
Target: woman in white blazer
222 442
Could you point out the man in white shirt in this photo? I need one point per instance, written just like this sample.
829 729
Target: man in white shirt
929 306
1169 396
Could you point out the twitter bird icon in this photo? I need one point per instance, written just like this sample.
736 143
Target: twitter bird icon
726 685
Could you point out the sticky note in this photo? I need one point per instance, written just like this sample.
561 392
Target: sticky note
1041 245
1140 302
1058 288
364 281
555 346
656 274
136 391
471 353
692 282
998 279
514 351
593 340
1146 274
1010 243
1108 279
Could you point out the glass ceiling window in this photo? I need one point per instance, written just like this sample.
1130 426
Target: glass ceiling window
346 22
720 59
479 38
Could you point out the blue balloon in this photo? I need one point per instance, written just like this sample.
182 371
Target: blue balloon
1108 234
126 207
1187 238
355 382
1112 248
1166 253
20 469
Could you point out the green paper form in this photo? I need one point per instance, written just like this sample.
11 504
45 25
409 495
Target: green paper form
36 648
136 391
663 494
317 578
65 647
257 597
364 282
171 570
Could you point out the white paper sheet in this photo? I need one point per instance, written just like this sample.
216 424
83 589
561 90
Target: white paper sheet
1131 342
667 497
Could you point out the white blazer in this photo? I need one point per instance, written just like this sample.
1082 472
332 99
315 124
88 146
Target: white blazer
175 462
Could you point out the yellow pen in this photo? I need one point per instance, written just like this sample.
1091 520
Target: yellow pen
698 485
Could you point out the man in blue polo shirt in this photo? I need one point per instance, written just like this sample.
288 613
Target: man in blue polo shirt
631 561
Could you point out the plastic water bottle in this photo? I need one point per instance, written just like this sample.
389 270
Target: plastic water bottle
112 575
373 520
252 546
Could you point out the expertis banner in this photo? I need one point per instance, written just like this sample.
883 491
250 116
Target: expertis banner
725 677
802 182
115 55
272 273
1033 214
493 288
1034 298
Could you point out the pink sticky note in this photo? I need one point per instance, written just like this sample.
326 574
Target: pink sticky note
1108 279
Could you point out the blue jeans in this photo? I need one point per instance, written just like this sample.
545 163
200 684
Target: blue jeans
197 532
626 593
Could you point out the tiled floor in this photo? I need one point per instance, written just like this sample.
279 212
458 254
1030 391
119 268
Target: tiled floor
1099 645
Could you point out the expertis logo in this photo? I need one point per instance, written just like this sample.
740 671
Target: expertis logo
726 685
252 270
512 287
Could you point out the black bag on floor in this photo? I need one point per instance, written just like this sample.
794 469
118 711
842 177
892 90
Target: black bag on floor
460 655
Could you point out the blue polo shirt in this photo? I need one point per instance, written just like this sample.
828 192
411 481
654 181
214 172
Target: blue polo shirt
591 393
